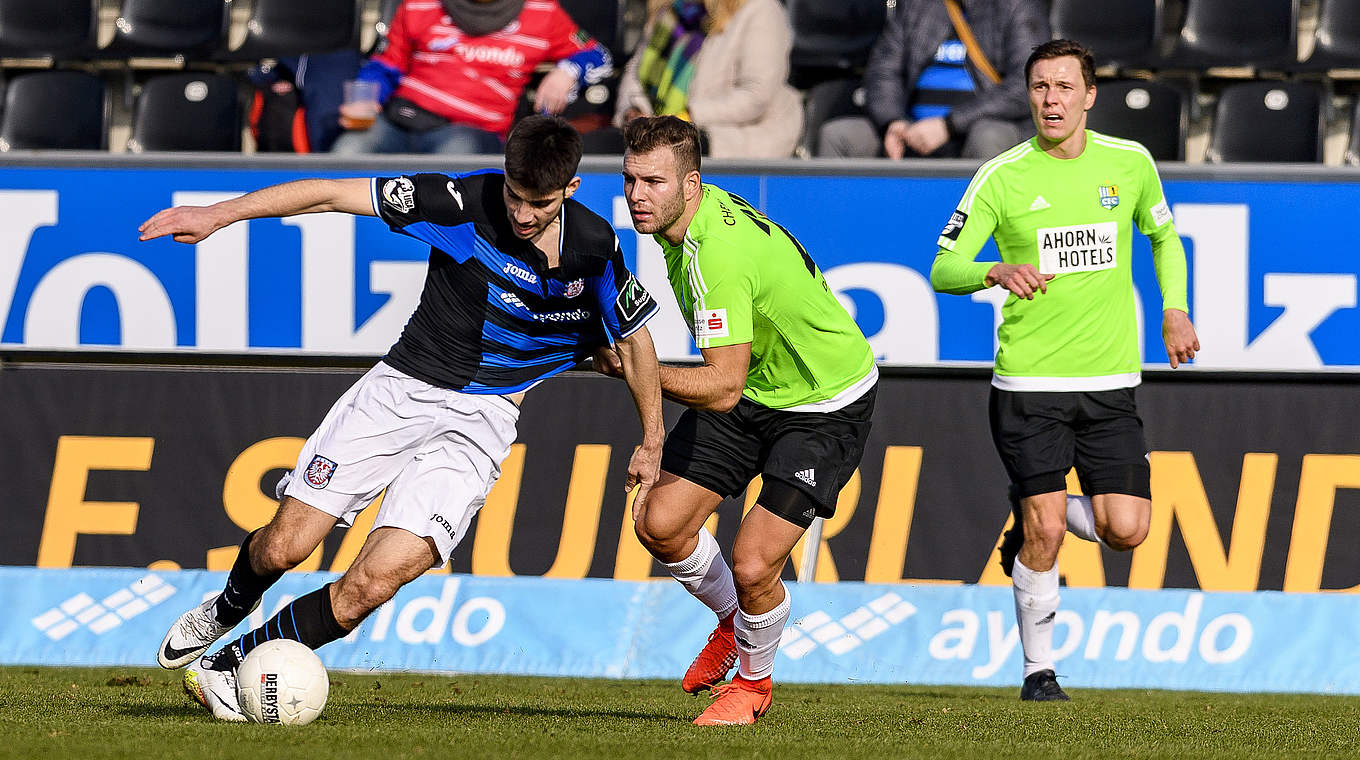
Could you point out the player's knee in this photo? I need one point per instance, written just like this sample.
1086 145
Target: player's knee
754 576
271 553
1124 534
1046 532
360 592
661 540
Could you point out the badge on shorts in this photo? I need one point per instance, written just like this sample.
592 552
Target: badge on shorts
319 472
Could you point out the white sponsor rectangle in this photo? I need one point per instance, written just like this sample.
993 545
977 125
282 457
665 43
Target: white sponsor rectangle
1160 213
710 323
1077 247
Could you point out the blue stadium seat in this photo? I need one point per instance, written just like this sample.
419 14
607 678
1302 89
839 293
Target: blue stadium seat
283 28
54 110
1261 34
58 28
1153 113
192 28
1268 121
187 111
1120 32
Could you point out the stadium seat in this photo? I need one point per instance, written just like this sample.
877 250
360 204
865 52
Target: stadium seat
54 110
1352 155
284 28
1120 32
1263 34
58 28
603 20
825 101
169 27
1267 121
833 36
1336 39
187 111
1153 113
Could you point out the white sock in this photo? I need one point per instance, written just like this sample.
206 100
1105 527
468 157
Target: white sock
1036 606
758 639
705 574
1081 518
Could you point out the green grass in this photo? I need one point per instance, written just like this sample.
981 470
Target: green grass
141 713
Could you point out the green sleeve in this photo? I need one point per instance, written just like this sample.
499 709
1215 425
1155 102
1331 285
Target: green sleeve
955 271
723 292
1168 253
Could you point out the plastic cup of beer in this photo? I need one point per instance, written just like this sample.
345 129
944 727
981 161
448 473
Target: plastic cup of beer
360 106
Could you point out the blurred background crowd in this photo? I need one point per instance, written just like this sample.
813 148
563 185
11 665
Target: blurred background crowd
1194 80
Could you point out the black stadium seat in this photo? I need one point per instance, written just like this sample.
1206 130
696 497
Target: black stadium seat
834 35
169 27
187 111
281 28
1261 33
47 27
1153 113
54 110
1119 32
1268 121
1336 37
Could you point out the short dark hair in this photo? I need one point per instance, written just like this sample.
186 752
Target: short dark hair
542 153
1062 49
647 133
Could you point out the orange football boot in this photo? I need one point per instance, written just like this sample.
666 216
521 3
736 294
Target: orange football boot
714 661
738 703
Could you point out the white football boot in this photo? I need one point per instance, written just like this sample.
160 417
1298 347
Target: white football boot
212 683
191 635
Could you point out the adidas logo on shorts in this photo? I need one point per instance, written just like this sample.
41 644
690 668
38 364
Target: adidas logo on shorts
807 476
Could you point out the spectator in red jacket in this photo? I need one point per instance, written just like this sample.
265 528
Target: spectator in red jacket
452 71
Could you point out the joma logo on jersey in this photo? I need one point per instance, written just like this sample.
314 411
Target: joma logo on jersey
520 272
1077 248
1109 196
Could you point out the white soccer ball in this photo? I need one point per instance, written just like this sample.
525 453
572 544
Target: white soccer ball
282 681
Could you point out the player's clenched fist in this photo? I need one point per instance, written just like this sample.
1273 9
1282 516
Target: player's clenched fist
188 224
1021 279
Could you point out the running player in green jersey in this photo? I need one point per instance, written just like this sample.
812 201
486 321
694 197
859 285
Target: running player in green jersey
1061 208
785 391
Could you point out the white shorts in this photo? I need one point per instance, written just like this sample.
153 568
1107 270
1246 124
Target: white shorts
435 450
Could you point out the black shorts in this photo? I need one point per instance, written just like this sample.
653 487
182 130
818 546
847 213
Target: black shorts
1041 435
804 458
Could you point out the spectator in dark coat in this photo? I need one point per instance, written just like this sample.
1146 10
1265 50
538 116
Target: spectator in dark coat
925 96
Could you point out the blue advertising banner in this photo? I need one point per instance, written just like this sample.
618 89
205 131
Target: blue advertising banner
838 633
74 276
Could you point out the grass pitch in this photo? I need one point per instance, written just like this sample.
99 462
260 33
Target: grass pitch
142 713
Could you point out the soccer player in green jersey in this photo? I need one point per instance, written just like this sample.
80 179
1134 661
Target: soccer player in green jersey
785 391
1061 208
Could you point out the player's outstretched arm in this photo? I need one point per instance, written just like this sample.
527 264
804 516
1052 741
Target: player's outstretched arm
190 224
1179 335
637 362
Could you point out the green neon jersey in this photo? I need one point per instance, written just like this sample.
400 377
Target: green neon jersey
1072 218
742 278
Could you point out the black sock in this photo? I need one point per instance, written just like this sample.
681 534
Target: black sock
309 619
244 587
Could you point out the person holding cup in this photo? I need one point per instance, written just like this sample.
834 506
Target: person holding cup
452 72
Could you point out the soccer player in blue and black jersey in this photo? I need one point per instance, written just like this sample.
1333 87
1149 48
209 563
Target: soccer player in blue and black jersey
523 283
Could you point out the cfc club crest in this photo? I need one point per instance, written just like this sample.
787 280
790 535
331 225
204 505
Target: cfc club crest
575 288
319 472
1109 196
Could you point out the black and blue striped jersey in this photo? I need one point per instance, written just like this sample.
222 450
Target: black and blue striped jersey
493 318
